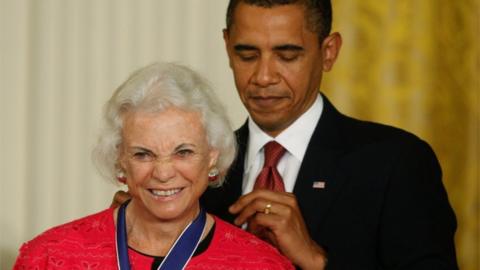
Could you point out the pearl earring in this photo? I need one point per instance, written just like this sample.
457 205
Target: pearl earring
213 174
121 177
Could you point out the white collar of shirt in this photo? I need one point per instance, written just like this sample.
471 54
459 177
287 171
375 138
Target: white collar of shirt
292 139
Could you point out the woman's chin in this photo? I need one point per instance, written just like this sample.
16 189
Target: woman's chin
168 207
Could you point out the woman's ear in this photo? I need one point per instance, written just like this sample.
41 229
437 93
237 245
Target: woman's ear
120 174
121 165
214 154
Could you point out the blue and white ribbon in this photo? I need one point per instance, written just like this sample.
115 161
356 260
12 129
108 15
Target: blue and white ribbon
178 255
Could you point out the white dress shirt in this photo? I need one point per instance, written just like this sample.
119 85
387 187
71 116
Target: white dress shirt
294 139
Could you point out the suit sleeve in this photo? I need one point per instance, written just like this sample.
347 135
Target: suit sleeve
417 225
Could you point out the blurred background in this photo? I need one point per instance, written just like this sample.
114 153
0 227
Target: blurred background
413 64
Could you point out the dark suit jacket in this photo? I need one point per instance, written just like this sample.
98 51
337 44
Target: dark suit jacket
383 206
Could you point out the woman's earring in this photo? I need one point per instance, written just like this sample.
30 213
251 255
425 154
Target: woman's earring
213 174
121 177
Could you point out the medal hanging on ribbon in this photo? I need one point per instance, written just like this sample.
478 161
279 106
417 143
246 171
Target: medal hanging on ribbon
178 255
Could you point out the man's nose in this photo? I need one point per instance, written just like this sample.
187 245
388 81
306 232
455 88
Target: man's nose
266 73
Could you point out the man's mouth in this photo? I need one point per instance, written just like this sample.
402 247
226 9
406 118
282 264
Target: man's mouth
267 101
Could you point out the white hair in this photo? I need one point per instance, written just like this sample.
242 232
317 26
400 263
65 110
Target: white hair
155 88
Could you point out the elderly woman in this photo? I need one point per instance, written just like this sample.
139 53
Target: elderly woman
167 139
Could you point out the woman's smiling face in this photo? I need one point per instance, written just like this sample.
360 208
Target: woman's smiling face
166 158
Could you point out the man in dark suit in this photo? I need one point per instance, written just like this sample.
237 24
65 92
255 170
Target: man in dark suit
358 195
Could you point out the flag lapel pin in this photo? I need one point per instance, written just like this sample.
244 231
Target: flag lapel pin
319 184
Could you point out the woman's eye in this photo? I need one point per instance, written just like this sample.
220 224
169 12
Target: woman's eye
184 152
142 156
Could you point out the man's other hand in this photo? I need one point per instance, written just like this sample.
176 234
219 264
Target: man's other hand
119 198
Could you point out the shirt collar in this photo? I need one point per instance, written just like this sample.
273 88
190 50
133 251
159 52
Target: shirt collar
292 139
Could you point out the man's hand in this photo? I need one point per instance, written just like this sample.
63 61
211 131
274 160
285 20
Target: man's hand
119 198
282 225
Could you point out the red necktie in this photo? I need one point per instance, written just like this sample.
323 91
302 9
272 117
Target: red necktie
269 178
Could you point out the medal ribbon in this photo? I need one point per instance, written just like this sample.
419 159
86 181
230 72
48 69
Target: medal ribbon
178 255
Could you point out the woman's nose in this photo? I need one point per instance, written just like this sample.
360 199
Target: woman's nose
164 170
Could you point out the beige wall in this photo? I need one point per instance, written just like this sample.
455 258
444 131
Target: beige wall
413 64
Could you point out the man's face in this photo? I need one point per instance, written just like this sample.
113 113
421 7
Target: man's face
277 63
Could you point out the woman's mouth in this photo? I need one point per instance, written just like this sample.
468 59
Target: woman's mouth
165 193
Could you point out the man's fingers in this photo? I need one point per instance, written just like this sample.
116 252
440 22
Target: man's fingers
278 218
119 198
262 229
267 195
264 209
243 201
250 209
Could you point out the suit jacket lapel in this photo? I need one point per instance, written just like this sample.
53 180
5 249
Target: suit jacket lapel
324 150
235 175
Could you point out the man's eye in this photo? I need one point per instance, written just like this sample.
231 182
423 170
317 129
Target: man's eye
289 56
247 57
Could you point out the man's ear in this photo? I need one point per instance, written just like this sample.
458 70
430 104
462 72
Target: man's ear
226 39
330 48
225 35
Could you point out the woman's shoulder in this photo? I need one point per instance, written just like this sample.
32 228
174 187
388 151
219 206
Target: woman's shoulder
79 229
242 248
92 232
227 233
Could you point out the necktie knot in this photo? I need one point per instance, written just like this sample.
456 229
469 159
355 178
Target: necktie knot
269 177
273 151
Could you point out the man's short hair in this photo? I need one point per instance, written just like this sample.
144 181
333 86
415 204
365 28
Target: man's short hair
319 13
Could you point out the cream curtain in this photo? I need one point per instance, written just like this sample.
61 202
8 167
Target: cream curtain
60 61
412 64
